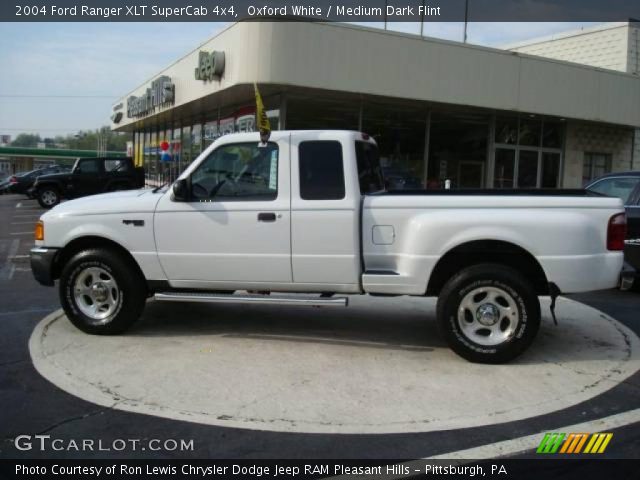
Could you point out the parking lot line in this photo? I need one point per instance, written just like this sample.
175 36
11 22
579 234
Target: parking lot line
529 442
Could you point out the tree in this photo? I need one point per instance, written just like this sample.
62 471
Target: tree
26 140
83 140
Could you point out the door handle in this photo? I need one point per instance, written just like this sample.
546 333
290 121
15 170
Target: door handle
266 217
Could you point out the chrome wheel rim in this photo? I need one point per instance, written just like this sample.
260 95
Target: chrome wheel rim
488 316
48 197
96 294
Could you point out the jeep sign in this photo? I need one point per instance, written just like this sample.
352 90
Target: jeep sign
210 66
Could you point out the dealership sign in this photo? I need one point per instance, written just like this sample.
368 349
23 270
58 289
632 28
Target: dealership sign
210 65
161 93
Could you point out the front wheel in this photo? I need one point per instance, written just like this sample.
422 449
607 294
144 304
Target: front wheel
488 313
48 197
100 293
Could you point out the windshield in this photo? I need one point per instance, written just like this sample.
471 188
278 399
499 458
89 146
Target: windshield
369 171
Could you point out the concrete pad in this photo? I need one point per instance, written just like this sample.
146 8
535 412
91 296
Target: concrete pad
378 366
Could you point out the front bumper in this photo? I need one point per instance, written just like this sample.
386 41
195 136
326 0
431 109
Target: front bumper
42 264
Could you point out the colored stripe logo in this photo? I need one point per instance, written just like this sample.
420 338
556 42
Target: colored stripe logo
574 443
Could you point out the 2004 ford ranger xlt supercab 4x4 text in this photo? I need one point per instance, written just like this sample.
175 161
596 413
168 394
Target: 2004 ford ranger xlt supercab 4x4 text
306 213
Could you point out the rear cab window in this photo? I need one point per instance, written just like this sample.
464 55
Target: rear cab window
321 170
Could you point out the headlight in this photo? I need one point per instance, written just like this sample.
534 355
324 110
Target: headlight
39 232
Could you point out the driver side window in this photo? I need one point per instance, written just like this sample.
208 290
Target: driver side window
238 171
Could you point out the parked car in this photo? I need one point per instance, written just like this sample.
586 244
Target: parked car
626 186
46 171
399 179
89 176
4 184
306 213
23 181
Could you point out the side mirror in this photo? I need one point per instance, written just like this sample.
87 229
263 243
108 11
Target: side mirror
180 190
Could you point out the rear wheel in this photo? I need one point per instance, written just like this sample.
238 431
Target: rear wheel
488 313
48 197
99 293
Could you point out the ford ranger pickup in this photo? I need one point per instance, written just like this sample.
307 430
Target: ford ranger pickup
304 219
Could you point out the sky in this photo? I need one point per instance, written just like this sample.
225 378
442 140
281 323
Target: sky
59 78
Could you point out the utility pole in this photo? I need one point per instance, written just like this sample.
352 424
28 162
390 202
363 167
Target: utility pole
385 14
466 18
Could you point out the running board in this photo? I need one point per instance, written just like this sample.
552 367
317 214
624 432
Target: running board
251 299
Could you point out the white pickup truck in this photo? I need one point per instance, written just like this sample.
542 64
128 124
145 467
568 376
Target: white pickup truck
306 213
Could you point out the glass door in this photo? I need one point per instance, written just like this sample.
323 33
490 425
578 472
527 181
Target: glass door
505 167
527 168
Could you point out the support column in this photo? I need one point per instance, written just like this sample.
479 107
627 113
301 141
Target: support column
425 157
282 121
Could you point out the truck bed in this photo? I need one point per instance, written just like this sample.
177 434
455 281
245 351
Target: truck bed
536 192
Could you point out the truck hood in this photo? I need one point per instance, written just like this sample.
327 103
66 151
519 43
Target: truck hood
125 201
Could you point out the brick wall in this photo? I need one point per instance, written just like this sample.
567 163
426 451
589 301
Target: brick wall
582 138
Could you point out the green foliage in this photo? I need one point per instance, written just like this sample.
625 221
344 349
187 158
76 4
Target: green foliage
83 140
26 140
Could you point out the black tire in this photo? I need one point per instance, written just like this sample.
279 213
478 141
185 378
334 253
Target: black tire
126 297
48 197
492 332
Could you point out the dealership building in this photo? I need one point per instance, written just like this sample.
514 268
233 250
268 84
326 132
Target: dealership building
439 110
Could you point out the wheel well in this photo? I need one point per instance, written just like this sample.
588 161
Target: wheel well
488 251
41 186
84 243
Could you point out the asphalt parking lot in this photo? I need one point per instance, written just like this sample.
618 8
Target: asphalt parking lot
29 404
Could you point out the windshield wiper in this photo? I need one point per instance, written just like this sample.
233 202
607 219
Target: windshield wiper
155 190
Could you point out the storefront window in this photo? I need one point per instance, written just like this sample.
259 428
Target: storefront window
550 170
552 134
210 133
185 159
399 130
146 148
533 161
529 132
506 130
176 146
595 165
165 156
316 112
528 168
504 168
458 150
196 141
155 171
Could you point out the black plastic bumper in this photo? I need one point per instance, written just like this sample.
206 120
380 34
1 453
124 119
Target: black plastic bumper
627 276
42 264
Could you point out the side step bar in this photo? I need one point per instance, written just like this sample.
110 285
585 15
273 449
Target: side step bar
251 299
